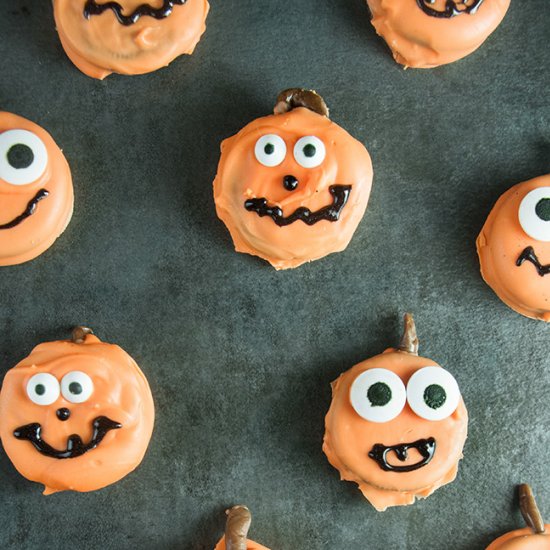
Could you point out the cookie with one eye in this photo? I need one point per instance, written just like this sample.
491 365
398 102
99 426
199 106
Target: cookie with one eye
36 190
76 414
514 248
428 33
236 531
536 536
396 425
128 36
292 187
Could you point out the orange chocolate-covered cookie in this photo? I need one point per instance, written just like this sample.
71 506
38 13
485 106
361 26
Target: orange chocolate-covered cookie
36 190
236 530
292 187
514 248
396 425
128 36
76 414
534 537
428 33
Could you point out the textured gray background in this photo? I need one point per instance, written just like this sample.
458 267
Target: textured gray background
240 357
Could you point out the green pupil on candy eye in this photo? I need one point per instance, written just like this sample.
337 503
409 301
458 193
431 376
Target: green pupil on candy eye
309 150
269 149
40 389
435 396
543 209
379 394
75 388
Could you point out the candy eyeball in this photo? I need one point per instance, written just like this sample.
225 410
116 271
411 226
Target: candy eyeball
309 152
534 214
270 150
43 389
23 157
77 387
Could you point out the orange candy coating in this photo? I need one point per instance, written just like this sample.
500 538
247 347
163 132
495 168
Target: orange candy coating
250 545
101 45
499 245
241 176
51 215
120 392
420 40
522 539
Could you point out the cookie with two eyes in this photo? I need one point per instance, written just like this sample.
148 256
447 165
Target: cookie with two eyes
514 248
397 425
292 187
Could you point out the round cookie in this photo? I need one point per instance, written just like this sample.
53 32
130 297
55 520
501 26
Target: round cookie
396 425
76 414
514 248
128 36
236 530
292 187
534 537
427 33
36 190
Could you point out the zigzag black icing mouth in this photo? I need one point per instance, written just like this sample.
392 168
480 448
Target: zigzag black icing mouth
93 8
75 447
426 448
452 7
331 213
29 211
529 255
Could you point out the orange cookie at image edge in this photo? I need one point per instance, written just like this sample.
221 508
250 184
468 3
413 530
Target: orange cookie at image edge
128 37
514 248
396 425
36 190
427 33
236 530
292 187
534 537
76 414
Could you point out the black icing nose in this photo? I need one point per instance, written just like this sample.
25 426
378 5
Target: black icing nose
290 183
63 414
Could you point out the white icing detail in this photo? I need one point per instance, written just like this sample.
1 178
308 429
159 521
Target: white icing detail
534 226
309 161
85 383
22 176
269 157
47 386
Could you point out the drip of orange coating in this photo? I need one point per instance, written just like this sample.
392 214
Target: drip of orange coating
530 510
79 334
409 340
237 526
299 97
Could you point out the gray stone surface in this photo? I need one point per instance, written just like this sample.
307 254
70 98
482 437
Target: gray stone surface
240 357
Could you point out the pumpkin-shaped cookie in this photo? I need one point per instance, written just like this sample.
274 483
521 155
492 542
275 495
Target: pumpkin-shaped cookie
36 190
128 36
396 425
76 414
428 33
236 530
514 248
292 187
534 537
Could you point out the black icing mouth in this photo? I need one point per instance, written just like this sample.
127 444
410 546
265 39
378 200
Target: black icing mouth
452 7
340 195
29 211
426 448
529 255
93 8
75 447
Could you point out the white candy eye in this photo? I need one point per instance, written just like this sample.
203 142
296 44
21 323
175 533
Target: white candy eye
433 393
309 152
378 395
270 150
43 389
534 214
77 387
23 157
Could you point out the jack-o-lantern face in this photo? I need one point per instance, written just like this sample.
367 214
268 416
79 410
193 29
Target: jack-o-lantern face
128 36
396 425
36 190
514 248
428 33
534 537
76 415
292 187
236 530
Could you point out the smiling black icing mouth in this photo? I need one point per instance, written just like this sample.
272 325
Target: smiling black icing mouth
426 448
529 255
331 213
93 8
29 211
452 8
75 447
